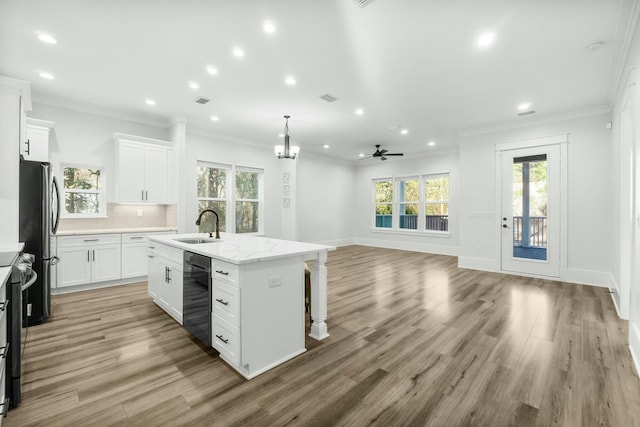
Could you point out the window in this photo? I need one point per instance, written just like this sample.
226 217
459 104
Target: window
83 192
248 200
419 203
436 192
221 187
384 203
409 194
212 194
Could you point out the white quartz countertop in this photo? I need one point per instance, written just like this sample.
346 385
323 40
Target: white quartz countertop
8 253
114 231
242 248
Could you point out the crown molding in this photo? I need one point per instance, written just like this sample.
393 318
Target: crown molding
620 76
534 121
17 87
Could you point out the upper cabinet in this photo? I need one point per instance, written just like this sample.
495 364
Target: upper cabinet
143 167
35 146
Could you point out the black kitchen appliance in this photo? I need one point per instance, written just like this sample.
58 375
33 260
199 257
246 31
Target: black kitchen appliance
39 216
22 278
196 296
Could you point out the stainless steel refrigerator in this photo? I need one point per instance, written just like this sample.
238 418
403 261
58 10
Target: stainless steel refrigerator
39 217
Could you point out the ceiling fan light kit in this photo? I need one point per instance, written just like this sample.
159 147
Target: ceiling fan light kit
383 154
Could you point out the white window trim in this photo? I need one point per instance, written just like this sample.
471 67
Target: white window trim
102 199
395 227
230 200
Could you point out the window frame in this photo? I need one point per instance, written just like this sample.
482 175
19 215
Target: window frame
102 199
230 200
422 203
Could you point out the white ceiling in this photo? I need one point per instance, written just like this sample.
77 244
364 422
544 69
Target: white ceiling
408 63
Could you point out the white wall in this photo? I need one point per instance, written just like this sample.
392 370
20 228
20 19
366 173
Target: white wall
437 163
590 225
85 138
326 210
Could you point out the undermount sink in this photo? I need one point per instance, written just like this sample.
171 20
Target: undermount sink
197 240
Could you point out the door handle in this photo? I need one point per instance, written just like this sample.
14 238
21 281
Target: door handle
28 150
505 226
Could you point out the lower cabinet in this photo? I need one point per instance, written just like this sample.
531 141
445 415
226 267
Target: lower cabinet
165 279
88 259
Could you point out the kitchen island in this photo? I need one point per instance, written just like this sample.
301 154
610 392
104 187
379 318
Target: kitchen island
257 293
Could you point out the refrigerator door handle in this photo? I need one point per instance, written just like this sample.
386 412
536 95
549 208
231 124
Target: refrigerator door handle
57 202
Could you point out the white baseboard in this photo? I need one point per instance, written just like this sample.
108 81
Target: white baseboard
475 263
407 246
634 345
99 285
603 279
337 242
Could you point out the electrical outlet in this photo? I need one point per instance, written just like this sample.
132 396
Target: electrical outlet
29 307
139 212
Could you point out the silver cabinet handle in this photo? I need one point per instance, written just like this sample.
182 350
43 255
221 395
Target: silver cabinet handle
94 254
136 237
226 273
88 258
91 240
28 150
146 195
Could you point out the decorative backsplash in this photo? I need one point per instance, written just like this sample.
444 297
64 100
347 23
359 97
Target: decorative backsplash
125 216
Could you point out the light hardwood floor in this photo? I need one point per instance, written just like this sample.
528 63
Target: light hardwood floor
414 341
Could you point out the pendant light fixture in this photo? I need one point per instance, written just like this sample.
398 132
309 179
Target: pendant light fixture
286 151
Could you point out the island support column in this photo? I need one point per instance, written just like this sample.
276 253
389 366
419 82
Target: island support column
319 297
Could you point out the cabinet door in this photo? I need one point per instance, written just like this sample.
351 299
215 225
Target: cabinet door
36 147
134 260
156 167
105 263
175 293
74 267
156 277
130 177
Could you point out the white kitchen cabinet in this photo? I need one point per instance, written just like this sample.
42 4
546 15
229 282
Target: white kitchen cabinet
36 145
165 278
142 170
88 259
134 253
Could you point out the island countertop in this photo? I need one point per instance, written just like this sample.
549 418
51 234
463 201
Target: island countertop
242 248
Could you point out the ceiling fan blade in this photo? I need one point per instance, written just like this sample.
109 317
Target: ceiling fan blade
394 154
383 158
383 152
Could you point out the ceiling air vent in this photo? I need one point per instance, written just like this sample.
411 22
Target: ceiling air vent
363 3
526 113
202 100
328 98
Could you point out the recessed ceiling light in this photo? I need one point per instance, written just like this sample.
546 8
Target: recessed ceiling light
404 131
524 106
359 112
486 39
237 52
47 38
290 81
46 75
431 143
150 102
214 118
212 70
194 85
325 146
269 27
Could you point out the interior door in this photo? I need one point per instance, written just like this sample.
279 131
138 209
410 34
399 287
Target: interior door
530 210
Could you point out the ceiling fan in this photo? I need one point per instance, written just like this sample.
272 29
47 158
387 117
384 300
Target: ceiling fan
384 153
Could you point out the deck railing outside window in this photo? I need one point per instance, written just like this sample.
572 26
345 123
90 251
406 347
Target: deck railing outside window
537 231
432 222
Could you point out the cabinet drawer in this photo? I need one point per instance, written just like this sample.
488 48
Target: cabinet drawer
166 251
226 339
134 237
226 302
88 240
225 271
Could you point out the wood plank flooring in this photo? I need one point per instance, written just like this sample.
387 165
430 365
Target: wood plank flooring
414 341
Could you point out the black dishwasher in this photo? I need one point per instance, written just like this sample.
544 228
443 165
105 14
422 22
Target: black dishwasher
196 296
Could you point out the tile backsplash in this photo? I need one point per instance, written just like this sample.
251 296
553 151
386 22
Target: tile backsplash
125 216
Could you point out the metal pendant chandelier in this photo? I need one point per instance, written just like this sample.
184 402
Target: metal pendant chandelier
286 151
